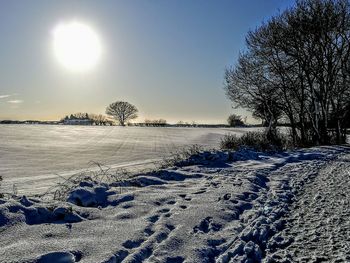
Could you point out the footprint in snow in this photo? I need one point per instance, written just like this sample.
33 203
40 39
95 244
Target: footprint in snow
164 210
129 244
148 231
184 196
207 225
170 227
199 192
64 257
127 206
177 259
153 219
119 256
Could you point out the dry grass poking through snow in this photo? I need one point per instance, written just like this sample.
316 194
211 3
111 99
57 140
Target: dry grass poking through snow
258 141
102 175
180 155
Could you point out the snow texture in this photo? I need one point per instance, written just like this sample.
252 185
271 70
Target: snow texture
37 156
317 228
238 207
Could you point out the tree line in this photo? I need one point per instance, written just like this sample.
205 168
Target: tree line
120 111
296 68
96 119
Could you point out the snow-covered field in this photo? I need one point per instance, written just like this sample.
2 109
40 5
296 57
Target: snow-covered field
222 207
34 156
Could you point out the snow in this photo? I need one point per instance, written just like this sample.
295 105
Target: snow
317 226
36 156
216 208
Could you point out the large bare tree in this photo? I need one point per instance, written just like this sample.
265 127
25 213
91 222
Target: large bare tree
122 111
297 67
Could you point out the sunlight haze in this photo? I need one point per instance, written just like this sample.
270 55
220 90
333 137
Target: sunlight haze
166 57
76 46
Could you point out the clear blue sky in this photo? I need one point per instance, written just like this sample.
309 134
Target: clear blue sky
166 57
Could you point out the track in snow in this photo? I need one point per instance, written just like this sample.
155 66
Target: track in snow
319 222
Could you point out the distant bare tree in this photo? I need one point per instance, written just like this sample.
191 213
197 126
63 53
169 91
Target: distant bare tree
122 111
81 115
78 115
99 119
235 120
160 122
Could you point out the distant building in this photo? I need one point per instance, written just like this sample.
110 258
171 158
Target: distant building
78 122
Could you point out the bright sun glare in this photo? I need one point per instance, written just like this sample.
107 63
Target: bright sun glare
76 46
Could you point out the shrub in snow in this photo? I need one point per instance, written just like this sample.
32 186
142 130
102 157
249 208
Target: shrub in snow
205 158
180 156
258 141
195 155
230 141
235 121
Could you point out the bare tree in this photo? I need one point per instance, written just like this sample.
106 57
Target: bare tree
235 120
80 115
122 111
297 67
99 119
160 122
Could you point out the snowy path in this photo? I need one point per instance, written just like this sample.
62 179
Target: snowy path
319 219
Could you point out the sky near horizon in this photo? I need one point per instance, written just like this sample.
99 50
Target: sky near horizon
166 57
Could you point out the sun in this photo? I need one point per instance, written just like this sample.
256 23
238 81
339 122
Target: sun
76 46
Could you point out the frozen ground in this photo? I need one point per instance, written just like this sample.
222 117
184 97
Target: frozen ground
32 156
222 207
